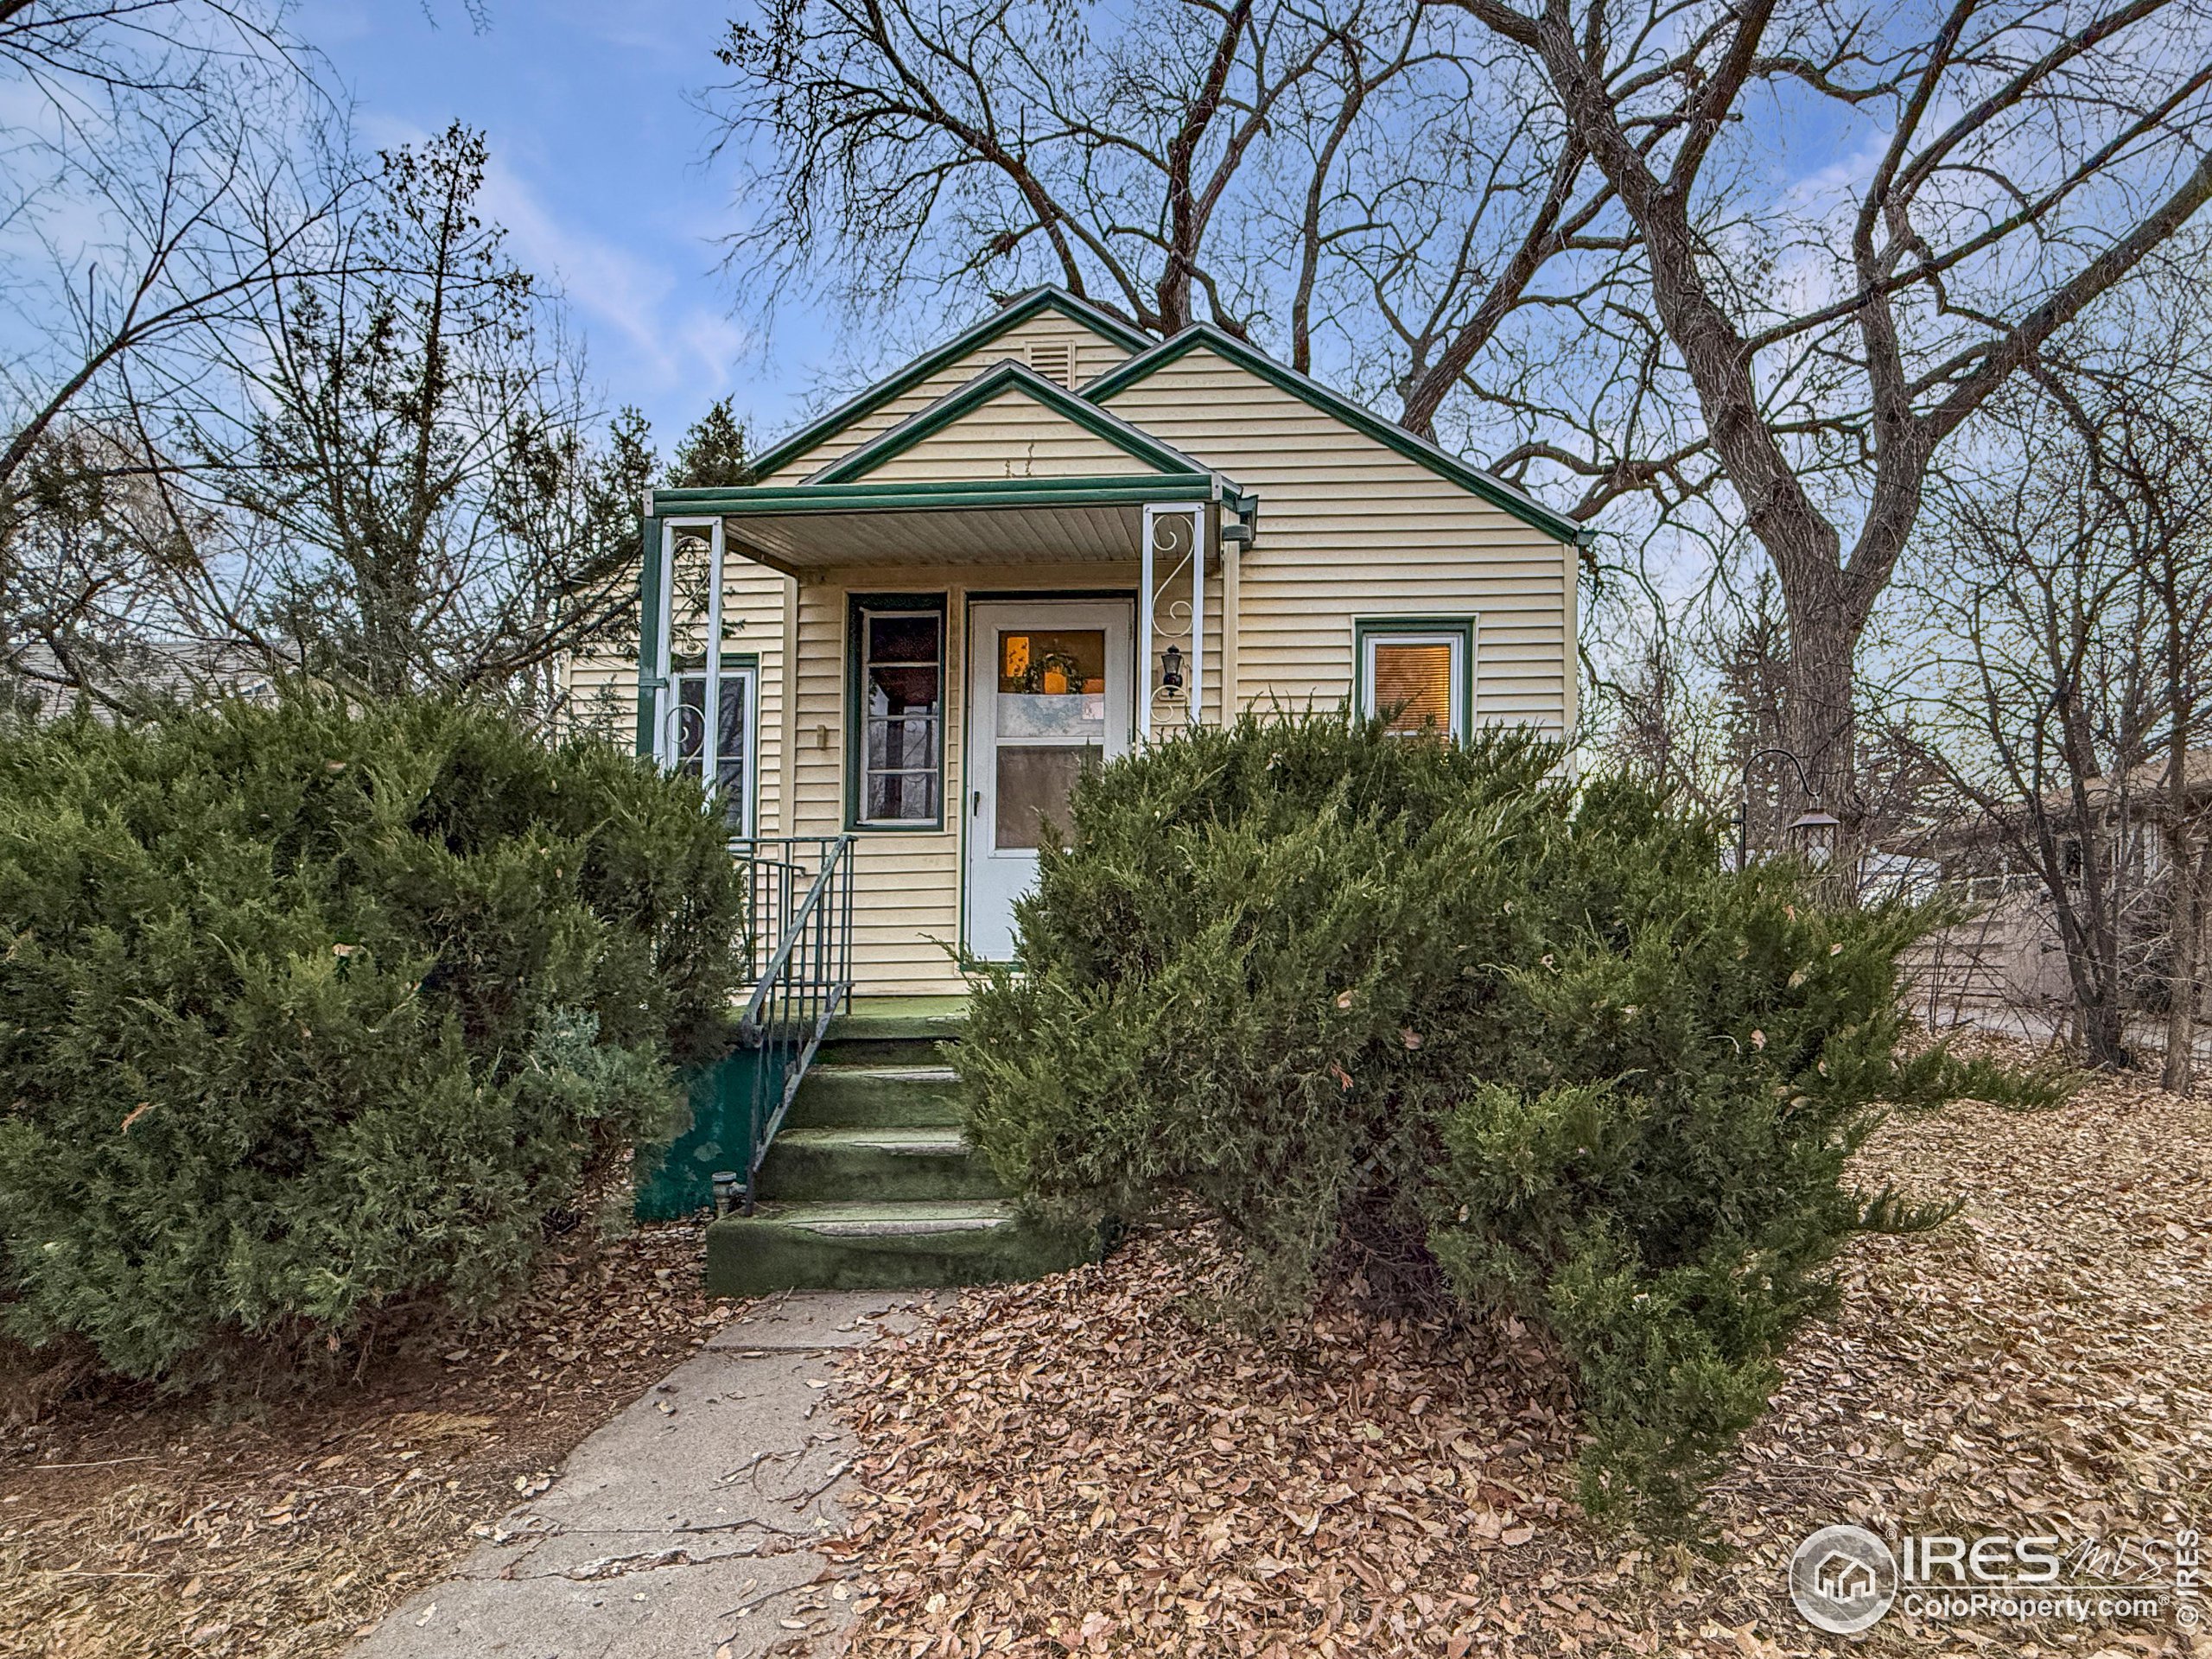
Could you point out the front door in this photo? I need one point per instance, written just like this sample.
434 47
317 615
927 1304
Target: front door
1048 693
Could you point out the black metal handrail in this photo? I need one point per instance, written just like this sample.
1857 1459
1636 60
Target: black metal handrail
800 939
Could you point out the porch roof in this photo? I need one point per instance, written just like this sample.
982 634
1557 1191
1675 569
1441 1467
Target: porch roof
798 528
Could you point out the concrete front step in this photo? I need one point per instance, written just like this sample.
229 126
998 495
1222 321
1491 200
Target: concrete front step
872 1245
835 1095
920 1163
871 1183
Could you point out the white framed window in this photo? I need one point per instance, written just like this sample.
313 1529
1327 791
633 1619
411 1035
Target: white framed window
732 777
1414 673
897 715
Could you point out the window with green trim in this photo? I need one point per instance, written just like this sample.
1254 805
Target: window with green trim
1414 674
898 714
731 780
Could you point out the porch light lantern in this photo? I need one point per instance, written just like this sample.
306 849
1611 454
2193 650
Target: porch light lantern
1171 668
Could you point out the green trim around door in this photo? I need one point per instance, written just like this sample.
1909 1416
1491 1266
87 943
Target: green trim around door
856 725
1465 626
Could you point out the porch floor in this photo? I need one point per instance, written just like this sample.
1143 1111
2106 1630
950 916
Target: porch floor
899 1019
925 1007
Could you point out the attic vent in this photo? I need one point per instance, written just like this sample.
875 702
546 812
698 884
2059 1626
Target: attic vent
1054 358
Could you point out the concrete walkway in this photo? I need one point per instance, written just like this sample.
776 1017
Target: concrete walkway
683 1530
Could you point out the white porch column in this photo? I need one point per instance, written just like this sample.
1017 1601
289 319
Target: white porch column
663 692
1232 568
667 742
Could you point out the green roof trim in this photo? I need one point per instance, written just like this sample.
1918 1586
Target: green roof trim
1011 315
994 382
939 496
1442 463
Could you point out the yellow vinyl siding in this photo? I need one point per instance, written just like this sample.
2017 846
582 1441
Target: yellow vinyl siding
603 685
1349 528
1094 355
1011 435
600 693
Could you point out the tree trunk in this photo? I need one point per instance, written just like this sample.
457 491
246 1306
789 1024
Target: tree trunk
2185 957
2092 965
1818 721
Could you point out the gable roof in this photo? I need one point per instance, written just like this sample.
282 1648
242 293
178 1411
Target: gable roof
1010 315
1446 465
1000 378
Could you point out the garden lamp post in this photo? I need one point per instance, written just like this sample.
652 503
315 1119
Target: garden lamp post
1814 827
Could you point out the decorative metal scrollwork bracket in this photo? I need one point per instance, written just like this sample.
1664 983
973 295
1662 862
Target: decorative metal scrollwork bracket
1172 608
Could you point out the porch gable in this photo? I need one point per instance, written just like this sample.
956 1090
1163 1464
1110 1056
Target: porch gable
1008 422
1043 317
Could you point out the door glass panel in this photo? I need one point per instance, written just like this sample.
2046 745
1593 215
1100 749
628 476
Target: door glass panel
1034 780
1412 684
1053 684
907 637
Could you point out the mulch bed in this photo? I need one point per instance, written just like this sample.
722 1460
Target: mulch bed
131 1526
1079 1466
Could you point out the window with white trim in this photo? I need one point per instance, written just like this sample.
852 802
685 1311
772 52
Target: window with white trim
1415 677
732 777
899 716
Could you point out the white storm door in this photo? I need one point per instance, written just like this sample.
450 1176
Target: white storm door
1048 693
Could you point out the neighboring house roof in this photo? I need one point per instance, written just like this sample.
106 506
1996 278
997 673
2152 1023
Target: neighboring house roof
1492 488
1009 378
186 671
2143 790
1010 315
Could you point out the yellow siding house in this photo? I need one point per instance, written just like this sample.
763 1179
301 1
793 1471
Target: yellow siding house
1047 541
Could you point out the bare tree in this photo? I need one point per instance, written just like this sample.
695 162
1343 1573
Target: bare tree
1996 166
153 194
1377 184
409 442
2068 588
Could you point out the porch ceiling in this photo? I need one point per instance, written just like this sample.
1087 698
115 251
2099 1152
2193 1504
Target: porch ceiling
804 528
944 536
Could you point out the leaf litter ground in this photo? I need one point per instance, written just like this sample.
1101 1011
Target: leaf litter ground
132 1526
1078 1466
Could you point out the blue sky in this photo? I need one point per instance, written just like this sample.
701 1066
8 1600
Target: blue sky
598 176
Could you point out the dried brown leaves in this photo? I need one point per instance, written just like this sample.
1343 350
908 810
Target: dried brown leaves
1075 1466
130 1527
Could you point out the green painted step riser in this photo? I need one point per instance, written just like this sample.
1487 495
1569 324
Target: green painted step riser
873 1051
834 1102
800 1174
751 1256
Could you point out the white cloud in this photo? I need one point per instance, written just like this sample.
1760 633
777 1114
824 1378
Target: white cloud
642 334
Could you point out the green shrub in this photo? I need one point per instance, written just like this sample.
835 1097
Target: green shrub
1428 1012
310 1017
